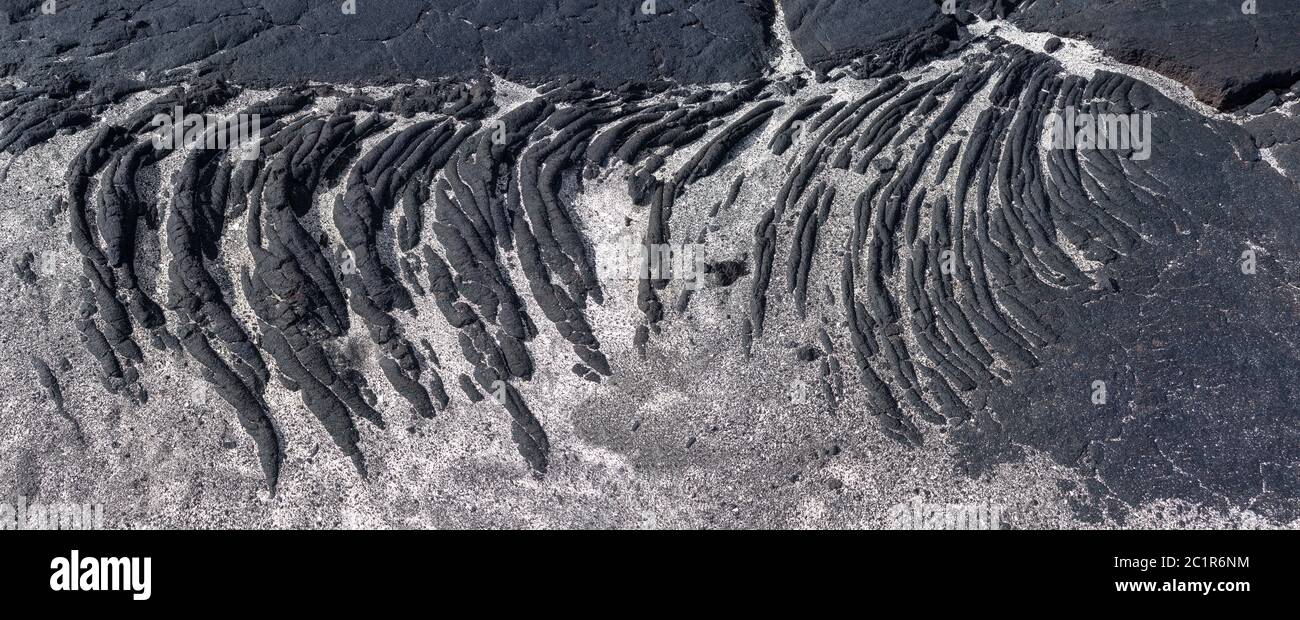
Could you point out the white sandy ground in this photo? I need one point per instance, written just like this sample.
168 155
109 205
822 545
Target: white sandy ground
717 442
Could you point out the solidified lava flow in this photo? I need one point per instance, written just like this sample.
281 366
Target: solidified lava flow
413 210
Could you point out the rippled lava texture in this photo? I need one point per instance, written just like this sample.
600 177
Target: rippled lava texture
1067 266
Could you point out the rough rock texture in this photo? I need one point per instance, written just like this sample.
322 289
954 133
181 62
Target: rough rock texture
1225 55
860 274
288 41
885 35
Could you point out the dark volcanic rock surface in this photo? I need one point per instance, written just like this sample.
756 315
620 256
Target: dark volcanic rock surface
286 41
887 34
1194 342
906 256
1228 58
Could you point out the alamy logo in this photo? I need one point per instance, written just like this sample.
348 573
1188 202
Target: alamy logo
92 574
1087 131
199 131
57 516
915 515
630 260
